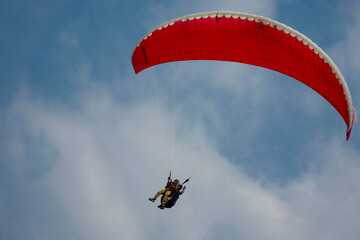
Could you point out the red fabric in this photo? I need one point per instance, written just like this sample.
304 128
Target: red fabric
243 41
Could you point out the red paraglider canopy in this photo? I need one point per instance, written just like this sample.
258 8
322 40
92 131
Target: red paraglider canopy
250 39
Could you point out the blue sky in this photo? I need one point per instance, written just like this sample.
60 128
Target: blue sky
84 141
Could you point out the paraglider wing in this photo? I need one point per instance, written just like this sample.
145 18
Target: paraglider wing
250 39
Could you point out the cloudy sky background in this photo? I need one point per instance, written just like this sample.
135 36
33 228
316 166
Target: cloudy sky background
84 141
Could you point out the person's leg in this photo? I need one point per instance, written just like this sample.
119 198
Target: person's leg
166 195
157 195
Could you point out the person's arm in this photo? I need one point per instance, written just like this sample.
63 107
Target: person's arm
182 191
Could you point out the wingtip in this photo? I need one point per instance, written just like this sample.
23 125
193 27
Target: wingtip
348 133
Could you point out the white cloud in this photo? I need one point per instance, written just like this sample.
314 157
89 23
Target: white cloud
325 201
111 156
